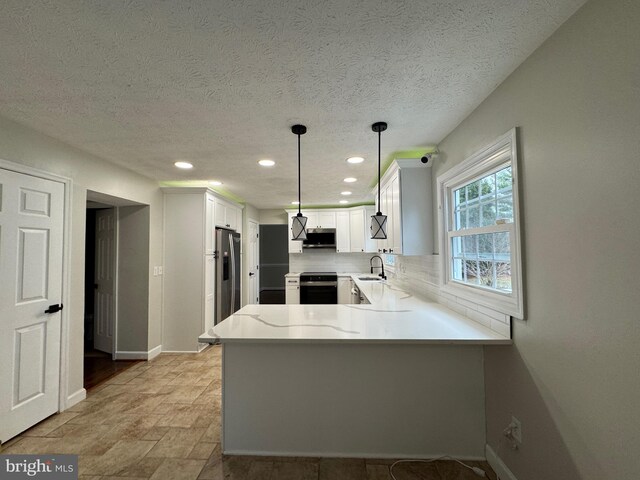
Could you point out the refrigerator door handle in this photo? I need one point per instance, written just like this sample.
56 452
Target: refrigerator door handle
233 274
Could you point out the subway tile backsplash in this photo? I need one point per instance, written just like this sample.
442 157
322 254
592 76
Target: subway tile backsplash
421 276
329 261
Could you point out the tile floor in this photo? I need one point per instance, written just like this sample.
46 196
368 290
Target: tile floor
161 420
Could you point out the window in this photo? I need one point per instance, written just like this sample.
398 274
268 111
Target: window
479 221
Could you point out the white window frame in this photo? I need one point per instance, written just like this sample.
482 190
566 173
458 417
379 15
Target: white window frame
498 154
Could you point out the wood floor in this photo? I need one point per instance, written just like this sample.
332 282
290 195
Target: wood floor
99 366
161 420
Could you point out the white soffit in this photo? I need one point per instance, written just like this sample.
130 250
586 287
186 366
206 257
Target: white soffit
218 83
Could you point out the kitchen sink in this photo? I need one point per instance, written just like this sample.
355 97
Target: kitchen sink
370 279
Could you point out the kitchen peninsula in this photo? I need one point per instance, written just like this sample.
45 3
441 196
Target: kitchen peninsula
401 376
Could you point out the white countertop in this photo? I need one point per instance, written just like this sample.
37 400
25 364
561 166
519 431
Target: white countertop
394 316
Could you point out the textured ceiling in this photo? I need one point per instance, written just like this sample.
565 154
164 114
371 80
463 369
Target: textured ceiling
219 83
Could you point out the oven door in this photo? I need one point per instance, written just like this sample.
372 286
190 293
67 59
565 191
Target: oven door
318 293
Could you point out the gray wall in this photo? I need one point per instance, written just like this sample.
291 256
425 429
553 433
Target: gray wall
572 375
274 217
133 279
25 146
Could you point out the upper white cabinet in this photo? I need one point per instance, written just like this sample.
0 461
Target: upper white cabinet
351 224
295 246
406 199
359 233
343 232
228 215
321 219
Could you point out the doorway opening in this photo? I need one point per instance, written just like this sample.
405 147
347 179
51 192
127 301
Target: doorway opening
274 263
105 309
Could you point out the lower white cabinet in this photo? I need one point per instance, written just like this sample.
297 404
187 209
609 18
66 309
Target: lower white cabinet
292 295
292 290
345 284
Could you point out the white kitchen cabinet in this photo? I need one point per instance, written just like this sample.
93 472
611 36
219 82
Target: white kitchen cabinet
210 222
295 246
360 235
327 219
320 219
407 200
345 284
189 239
292 290
189 265
343 232
228 215
351 224
385 208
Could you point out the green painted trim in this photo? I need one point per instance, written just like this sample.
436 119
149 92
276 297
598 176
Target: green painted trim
201 184
416 153
322 207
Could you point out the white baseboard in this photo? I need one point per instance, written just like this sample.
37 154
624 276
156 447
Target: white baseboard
75 397
154 352
315 454
181 351
502 471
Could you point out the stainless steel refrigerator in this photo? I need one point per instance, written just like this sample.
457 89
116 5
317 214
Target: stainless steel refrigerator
227 298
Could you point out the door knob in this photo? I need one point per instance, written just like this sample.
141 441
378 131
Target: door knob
251 274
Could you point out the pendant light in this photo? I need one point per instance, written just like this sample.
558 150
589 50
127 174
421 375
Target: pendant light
298 222
379 221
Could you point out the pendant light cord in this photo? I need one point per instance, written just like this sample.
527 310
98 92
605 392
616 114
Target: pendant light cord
379 140
299 204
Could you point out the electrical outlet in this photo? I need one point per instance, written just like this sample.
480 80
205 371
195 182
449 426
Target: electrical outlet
516 429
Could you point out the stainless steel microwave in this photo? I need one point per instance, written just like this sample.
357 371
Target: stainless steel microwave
320 238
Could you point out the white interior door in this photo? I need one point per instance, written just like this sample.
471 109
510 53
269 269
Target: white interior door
31 246
105 273
252 261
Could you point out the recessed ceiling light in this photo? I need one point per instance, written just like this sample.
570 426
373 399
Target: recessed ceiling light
344 201
345 193
355 159
350 180
184 165
215 182
266 163
295 203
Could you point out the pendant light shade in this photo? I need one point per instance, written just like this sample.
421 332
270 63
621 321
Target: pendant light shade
379 221
299 222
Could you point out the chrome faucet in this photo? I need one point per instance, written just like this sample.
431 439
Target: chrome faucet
381 274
